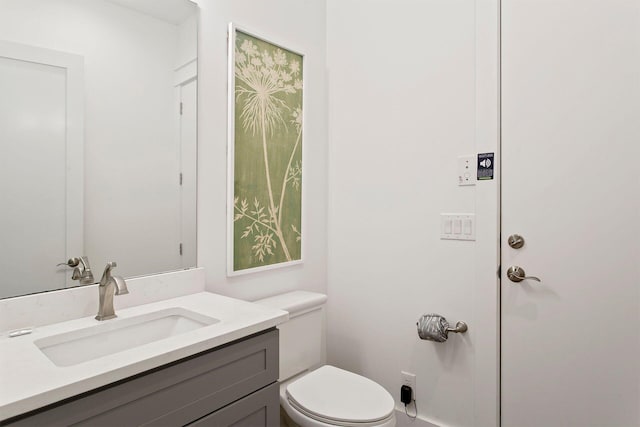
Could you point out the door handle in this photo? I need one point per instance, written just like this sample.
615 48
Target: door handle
73 262
516 274
516 241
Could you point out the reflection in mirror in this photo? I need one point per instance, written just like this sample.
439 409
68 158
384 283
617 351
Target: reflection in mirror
98 139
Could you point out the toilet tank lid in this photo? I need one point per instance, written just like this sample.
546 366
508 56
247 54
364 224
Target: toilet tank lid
295 301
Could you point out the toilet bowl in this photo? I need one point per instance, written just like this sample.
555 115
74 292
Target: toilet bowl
331 396
317 395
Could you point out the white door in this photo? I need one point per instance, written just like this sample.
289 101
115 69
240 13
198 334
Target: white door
571 189
40 167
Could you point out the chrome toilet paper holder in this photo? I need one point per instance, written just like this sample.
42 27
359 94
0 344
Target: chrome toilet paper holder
461 327
434 327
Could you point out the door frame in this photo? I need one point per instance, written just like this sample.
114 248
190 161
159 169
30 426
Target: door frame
183 75
486 291
74 66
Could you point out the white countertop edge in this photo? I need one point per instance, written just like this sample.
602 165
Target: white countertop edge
239 319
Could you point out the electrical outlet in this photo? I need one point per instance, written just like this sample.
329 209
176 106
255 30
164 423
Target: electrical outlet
409 379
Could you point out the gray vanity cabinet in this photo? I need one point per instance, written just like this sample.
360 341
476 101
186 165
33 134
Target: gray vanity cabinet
235 384
253 410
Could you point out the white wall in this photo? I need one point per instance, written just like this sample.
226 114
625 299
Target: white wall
130 217
187 35
405 95
300 25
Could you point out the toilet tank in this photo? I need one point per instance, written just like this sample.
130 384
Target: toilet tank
302 340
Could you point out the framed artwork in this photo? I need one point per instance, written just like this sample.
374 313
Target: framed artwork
265 132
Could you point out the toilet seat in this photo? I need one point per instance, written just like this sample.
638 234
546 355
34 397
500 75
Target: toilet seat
337 397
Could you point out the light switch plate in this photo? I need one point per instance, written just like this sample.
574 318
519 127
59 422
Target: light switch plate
467 170
458 226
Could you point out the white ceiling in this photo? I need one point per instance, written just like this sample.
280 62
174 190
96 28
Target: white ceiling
172 11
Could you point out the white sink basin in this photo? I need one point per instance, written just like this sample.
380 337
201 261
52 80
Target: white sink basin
113 336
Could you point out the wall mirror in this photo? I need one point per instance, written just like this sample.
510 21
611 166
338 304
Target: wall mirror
97 138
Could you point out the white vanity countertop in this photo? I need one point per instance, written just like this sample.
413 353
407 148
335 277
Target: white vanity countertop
29 380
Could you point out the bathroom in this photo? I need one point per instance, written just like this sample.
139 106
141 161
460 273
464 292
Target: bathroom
418 85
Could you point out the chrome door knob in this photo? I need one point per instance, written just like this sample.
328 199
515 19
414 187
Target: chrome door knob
516 241
516 274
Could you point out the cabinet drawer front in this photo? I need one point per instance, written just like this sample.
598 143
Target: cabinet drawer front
259 409
175 394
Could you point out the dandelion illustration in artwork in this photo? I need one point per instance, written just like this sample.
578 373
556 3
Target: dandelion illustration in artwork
268 89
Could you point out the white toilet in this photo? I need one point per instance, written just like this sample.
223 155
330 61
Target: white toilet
313 395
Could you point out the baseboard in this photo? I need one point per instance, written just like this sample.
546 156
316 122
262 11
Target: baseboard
402 420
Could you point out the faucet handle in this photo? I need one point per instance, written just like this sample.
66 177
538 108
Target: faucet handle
81 269
86 276
110 265
107 271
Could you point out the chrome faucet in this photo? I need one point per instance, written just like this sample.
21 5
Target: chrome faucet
108 287
81 269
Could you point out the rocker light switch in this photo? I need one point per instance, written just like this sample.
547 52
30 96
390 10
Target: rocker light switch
457 226
467 226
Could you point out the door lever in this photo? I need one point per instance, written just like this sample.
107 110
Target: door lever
516 241
516 274
73 262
